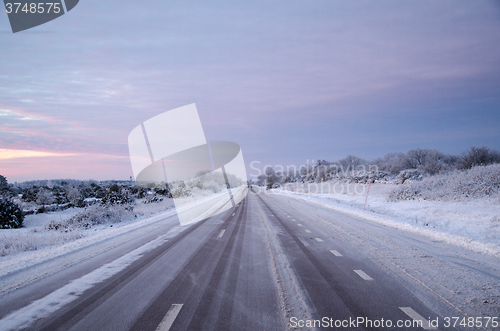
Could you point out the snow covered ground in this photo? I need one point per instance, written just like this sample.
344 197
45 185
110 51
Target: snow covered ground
473 223
21 248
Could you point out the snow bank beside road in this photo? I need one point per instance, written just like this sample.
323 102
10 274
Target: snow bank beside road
21 260
472 224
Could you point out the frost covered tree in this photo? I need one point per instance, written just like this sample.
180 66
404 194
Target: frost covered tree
393 163
351 161
429 161
44 197
117 196
11 215
261 180
73 195
478 156
271 177
3 182
4 187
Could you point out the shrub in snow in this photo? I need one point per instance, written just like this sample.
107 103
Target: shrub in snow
152 198
180 190
163 191
457 185
116 196
94 215
409 175
370 176
142 208
212 186
11 215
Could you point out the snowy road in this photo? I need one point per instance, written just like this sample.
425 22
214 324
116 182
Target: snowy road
271 263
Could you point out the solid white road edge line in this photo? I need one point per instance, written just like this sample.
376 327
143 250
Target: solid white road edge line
24 317
363 275
417 317
169 318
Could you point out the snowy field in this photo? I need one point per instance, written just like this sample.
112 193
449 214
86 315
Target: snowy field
38 232
472 223
36 242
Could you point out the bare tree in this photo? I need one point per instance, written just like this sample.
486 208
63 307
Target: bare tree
73 195
44 197
351 161
271 177
392 162
478 156
429 161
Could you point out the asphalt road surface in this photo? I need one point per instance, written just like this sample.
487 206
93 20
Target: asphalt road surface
270 263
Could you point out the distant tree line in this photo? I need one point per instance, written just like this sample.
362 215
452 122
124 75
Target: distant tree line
413 164
49 195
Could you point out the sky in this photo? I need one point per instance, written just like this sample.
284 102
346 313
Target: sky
289 81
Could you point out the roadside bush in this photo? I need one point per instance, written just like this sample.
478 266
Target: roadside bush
212 186
11 216
117 197
477 182
409 175
93 215
180 190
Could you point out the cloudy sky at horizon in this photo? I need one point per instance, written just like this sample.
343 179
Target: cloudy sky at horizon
287 80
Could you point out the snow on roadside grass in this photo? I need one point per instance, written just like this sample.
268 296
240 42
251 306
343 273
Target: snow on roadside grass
61 227
21 240
457 185
33 236
147 214
473 224
40 220
21 260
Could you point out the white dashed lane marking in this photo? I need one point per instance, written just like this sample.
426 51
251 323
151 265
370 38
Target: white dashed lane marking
319 240
233 214
170 317
334 252
363 275
221 233
299 224
294 220
308 231
417 317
